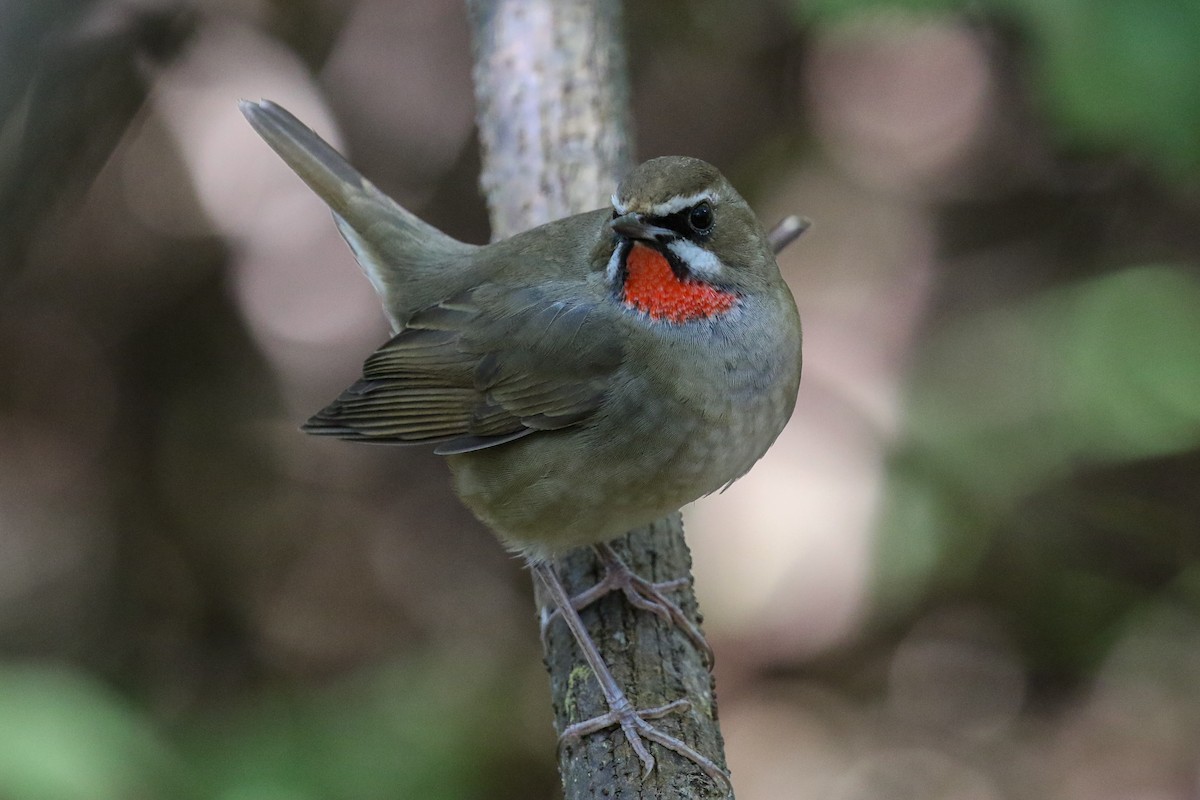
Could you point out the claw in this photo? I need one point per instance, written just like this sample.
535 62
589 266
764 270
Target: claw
637 732
640 593
621 712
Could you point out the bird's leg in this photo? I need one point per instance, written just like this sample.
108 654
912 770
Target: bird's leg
640 593
621 712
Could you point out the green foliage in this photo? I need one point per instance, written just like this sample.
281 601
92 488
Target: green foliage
413 730
1113 75
64 736
1010 401
417 730
1121 73
1105 369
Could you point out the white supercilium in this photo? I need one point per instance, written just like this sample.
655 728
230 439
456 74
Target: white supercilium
667 207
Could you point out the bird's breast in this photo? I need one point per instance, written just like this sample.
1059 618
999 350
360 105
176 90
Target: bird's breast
698 405
690 411
652 287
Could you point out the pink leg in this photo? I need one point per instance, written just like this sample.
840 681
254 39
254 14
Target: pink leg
621 712
640 593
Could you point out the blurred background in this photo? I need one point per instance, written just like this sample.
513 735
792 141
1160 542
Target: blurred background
969 569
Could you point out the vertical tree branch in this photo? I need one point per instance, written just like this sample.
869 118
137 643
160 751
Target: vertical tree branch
553 107
552 92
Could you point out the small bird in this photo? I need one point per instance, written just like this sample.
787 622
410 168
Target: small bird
583 378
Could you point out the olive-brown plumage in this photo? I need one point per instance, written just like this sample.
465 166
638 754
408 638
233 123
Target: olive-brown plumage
568 416
582 378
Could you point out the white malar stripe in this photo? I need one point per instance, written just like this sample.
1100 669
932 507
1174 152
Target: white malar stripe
614 265
700 262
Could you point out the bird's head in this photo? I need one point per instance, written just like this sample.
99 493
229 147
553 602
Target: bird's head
687 245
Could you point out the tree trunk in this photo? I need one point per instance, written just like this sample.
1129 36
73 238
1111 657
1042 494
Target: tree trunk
552 91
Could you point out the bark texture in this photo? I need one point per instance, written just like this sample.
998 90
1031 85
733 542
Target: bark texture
552 92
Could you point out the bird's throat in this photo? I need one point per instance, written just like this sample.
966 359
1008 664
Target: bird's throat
651 286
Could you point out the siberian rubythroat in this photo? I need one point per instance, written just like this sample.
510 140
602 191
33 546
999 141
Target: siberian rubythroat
583 378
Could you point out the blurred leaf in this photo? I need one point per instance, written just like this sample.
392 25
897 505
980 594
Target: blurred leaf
1001 404
1122 73
1119 74
1108 369
63 736
422 729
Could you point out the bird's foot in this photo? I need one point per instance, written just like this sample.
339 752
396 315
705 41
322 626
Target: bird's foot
640 593
638 731
621 712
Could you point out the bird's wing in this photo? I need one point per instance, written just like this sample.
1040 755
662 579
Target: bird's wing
483 368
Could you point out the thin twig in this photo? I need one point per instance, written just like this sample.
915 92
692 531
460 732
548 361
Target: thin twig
786 231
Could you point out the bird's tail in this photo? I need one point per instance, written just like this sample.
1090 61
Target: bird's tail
391 244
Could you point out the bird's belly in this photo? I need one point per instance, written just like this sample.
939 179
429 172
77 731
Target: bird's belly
643 457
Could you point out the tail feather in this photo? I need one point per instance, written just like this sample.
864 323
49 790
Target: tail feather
387 240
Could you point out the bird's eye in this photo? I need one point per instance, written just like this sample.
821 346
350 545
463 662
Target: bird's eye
700 218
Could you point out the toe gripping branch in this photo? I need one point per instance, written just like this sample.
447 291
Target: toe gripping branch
640 593
633 722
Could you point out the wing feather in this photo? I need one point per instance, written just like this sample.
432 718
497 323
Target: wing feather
482 369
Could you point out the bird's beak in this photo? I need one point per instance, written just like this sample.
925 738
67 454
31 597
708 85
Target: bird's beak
631 226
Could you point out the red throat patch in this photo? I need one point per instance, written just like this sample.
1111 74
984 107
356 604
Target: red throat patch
651 286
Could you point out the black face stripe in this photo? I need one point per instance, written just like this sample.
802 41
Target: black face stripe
678 222
677 264
624 246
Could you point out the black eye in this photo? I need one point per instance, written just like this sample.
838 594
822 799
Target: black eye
701 217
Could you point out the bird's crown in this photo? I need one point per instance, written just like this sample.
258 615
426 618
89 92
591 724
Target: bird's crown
663 186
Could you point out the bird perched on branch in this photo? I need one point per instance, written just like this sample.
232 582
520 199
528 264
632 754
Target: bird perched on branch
583 378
